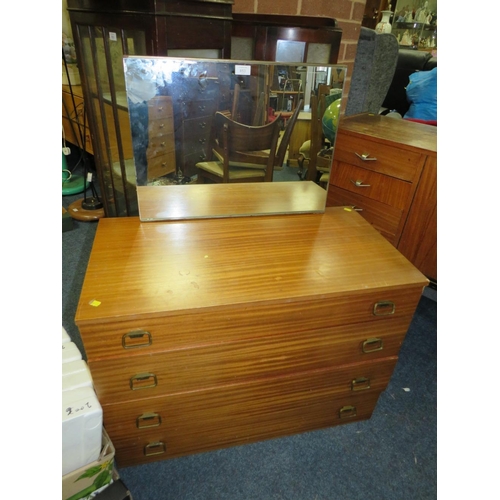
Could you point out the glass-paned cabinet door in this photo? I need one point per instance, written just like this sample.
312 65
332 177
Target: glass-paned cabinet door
103 50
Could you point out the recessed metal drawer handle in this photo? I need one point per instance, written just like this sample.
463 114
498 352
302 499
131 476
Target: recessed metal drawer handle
147 420
347 412
360 184
384 308
138 338
365 156
360 384
156 448
143 381
372 345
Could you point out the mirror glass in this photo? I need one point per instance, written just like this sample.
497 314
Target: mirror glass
187 116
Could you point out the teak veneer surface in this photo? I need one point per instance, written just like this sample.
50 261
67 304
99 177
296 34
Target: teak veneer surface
419 137
161 268
203 201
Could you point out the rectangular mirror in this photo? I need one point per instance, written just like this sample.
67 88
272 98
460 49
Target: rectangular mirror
223 138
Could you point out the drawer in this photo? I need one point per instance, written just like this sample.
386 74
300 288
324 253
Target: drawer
168 372
160 127
160 107
161 165
379 187
160 145
243 413
196 132
398 163
144 336
384 218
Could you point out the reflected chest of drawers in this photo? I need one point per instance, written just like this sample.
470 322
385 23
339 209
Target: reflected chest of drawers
205 334
386 169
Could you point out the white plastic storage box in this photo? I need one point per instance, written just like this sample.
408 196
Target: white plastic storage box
76 374
81 428
70 352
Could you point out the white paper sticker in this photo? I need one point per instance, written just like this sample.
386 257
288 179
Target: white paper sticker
112 36
242 69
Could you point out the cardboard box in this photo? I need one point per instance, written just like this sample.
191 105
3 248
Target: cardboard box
79 484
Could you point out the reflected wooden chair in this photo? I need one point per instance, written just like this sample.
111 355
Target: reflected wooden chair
237 149
282 144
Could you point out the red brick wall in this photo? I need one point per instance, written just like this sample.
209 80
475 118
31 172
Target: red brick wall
348 13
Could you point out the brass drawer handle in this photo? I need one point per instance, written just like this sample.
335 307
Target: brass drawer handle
372 345
147 420
137 338
360 184
360 384
156 448
365 157
143 381
347 412
384 308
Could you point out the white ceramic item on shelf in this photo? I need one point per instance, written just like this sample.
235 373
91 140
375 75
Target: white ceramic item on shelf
384 26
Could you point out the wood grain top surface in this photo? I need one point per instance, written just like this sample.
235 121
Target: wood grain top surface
237 199
392 131
153 269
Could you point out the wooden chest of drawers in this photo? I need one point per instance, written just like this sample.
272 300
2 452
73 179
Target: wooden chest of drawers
386 169
204 334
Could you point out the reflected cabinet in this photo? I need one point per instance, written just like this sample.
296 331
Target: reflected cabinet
106 32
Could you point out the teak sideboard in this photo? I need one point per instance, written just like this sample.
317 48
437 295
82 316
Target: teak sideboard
210 333
386 169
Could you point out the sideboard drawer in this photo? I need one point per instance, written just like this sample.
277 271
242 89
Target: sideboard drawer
372 155
384 218
242 413
379 187
236 362
135 337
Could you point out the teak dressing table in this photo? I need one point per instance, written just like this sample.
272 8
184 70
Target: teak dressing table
203 334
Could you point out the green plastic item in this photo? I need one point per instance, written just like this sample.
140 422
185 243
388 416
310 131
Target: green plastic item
71 184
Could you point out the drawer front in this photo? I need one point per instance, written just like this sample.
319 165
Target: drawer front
160 107
160 127
161 145
142 377
386 219
161 165
243 413
379 157
379 187
145 336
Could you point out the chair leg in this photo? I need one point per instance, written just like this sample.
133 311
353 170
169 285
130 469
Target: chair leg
300 171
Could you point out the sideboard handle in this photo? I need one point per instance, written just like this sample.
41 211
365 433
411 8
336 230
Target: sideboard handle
384 308
372 345
137 338
156 448
347 412
147 420
143 381
360 184
365 157
360 384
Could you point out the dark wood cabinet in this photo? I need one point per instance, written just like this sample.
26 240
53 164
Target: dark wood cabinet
285 38
104 32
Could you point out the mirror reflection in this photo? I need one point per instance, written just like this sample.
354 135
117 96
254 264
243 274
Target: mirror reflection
201 122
